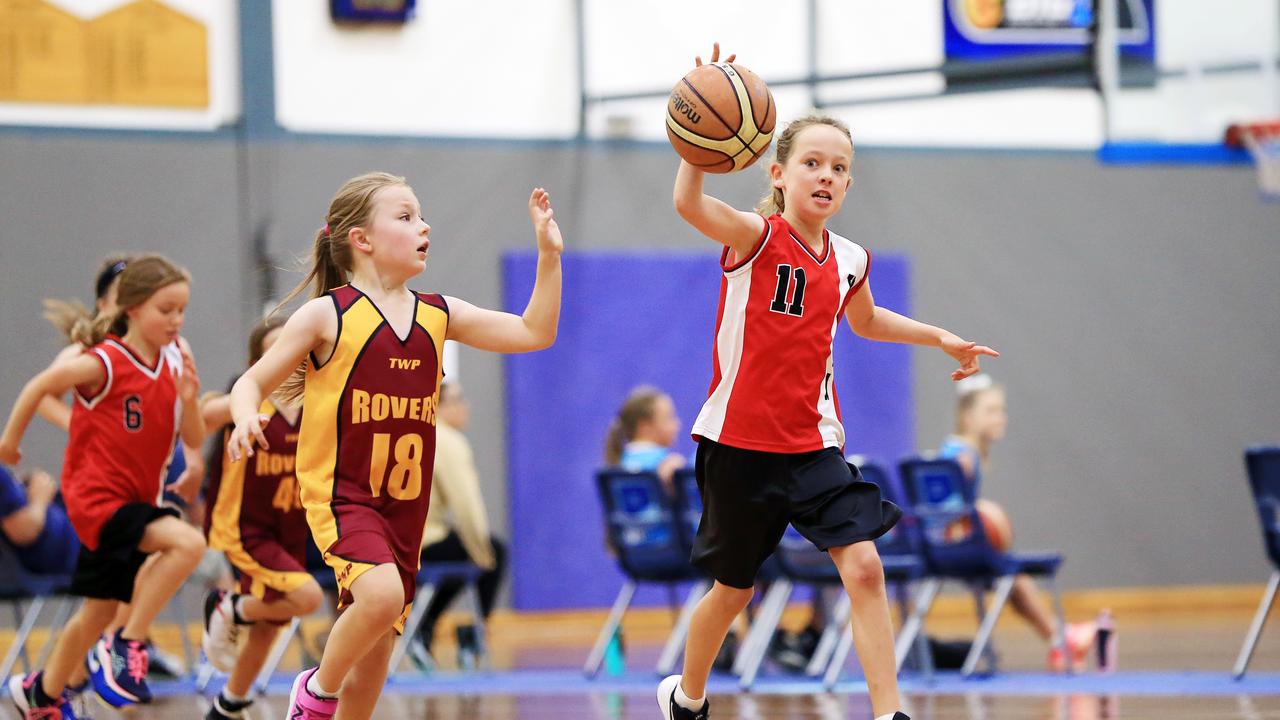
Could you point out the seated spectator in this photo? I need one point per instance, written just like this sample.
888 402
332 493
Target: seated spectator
457 527
981 421
35 524
642 434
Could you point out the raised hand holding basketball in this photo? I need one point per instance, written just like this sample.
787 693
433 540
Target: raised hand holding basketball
715 56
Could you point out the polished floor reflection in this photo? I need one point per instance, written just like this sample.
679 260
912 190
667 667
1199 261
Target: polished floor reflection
1172 667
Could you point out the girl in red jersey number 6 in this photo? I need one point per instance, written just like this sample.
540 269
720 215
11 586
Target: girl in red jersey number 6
769 436
371 381
134 388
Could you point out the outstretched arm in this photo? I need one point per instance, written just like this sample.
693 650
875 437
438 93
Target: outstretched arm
877 323
536 329
82 370
55 410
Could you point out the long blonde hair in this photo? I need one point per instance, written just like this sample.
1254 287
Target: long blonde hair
141 278
638 407
331 261
773 202
65 314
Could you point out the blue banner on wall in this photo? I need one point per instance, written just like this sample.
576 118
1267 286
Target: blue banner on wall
639 318
990 29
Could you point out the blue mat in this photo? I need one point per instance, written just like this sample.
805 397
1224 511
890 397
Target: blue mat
562 682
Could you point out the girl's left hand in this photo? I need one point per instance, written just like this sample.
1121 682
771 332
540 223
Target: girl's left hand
189 383
544 222
967 354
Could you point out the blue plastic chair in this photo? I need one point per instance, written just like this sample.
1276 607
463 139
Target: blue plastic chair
1263 466
24 586
955 547
430 577
649 532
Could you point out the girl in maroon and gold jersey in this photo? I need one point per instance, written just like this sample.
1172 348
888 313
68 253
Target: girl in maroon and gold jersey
255 516
365 357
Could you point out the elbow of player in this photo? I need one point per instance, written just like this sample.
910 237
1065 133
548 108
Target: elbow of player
686 206
545 339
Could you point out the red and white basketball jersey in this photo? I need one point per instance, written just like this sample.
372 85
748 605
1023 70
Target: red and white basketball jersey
122 438
779 310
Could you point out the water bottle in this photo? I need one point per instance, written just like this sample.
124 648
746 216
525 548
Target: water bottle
1105 643
615 661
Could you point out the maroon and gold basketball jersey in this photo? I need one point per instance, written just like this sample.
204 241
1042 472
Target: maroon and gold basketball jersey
367 443
122 438
256 514
773 388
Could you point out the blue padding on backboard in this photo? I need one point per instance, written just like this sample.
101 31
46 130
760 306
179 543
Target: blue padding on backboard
1157 153
631 318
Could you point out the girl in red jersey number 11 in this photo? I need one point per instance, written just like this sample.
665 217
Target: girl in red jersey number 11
770 440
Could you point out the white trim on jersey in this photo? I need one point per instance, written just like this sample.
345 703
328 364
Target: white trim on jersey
90 403
729 336
733 327
161 359
829 425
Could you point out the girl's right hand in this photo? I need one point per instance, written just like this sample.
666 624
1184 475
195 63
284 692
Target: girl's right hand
715 56
245 436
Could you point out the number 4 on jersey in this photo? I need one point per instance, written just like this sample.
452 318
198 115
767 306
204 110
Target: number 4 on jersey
787 280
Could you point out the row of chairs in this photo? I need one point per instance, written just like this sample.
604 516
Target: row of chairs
38 590
939 539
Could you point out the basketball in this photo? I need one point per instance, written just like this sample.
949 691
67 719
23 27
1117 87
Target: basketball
720 117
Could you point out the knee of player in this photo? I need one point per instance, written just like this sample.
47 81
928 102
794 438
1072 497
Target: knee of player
732 599
384 598
189 544
307 598
861 566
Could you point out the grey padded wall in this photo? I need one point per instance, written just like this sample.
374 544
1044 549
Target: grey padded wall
1137 308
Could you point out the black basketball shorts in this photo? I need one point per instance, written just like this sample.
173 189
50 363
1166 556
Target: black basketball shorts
749 497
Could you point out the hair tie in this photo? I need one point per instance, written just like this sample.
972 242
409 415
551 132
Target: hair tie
973 383
325 229
107 276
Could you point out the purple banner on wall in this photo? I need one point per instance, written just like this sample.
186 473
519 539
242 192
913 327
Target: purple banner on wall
627 319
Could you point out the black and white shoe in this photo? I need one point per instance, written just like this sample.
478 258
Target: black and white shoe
224 709
222 637
671 710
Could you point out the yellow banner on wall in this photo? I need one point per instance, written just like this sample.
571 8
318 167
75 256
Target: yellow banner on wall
143 53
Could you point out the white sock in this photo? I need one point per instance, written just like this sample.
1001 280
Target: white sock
314 688
237 608
687 702
232 697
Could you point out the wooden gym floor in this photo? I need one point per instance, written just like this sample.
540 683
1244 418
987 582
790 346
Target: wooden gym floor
1174 664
